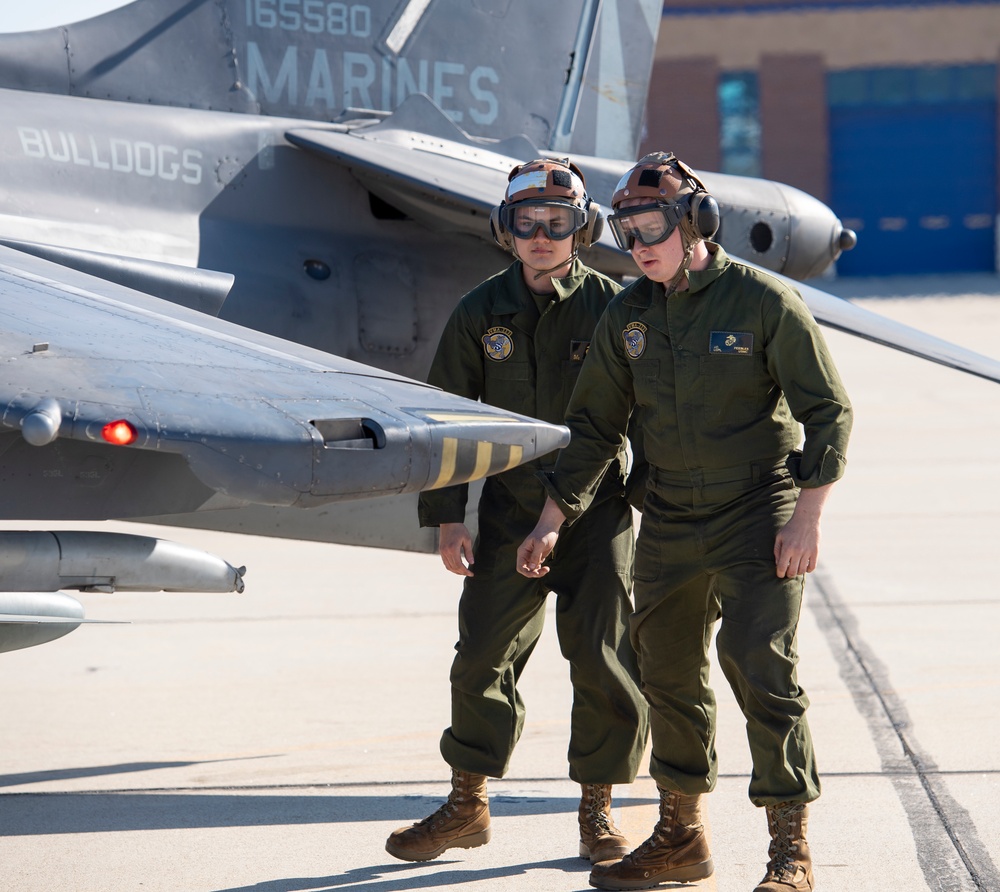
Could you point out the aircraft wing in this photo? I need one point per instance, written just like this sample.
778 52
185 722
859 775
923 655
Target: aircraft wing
421 163
218 415
447 184
836 312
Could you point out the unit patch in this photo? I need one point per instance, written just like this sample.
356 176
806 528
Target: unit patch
635 339
578 350
498 343
737 343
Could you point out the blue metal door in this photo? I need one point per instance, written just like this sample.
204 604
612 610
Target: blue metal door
914 169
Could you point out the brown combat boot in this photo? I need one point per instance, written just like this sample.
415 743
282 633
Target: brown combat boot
677 850
600 839
463 822
790 866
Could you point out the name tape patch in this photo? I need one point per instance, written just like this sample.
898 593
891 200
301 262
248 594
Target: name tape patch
735 343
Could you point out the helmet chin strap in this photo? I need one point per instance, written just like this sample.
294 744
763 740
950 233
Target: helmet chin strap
544 272
689 240
678 276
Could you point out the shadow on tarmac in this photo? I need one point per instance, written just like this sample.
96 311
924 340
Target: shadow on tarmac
394 878
399 877
43 814
41 777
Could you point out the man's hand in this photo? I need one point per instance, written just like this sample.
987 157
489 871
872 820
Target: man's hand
454 541
540 542
796 547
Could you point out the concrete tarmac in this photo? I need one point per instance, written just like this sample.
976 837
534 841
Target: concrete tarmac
269 742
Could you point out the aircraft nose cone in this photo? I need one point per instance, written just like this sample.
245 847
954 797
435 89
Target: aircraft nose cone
486 441
552 437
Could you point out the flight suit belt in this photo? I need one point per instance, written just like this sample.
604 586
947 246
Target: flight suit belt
751 472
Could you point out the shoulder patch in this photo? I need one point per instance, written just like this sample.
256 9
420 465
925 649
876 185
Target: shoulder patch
635 339
498 343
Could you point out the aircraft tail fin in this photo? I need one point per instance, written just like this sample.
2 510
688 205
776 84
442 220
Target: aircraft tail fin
155 52
606 118
571 76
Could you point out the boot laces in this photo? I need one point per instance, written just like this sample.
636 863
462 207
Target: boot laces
660 835
443 813
780 863
459 793
654 841
597 806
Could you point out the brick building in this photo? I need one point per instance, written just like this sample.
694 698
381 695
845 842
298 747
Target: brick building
887 111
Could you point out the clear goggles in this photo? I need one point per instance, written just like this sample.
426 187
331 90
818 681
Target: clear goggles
556 219
647 223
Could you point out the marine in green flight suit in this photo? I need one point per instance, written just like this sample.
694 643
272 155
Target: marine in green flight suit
518 341
728 368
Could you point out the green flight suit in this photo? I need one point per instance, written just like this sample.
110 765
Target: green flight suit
724 373
523 352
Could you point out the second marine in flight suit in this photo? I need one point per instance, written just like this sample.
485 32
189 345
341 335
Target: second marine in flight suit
522 350
728 369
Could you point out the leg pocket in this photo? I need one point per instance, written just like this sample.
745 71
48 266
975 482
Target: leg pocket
647 557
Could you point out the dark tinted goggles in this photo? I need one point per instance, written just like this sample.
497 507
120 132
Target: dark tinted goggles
647 223
556 219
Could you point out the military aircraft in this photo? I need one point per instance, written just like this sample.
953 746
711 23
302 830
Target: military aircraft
231 232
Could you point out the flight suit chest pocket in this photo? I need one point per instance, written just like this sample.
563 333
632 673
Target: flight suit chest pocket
508 385
646 384
569 372
734 387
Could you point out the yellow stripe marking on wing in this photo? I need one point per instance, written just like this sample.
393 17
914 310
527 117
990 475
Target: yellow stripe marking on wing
449 455
460 417
514 457
484 455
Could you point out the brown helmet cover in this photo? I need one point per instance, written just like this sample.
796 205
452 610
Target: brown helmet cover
543 180
657 177
546 179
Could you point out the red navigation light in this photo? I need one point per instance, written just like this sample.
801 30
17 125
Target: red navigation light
119 433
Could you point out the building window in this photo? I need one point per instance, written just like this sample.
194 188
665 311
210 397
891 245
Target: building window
937 85
739 122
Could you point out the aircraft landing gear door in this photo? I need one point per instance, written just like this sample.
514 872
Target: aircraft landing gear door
387 305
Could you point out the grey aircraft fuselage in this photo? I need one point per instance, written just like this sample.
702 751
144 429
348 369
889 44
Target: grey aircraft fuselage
317 258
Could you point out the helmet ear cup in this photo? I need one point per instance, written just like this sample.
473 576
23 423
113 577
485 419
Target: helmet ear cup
500 234
592 229
705 216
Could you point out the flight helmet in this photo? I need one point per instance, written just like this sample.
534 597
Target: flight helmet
548 194
662 193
